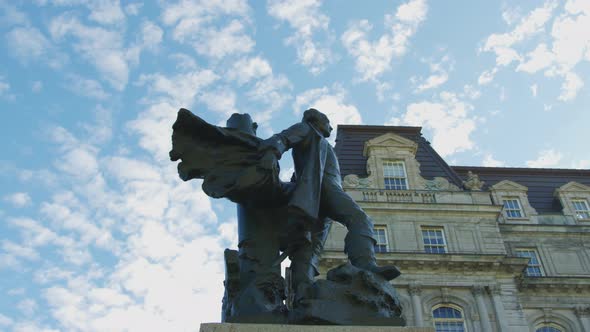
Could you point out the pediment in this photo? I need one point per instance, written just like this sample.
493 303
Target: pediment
507 185
573 186
390 140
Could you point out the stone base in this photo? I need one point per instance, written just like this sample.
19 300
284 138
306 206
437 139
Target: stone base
229 327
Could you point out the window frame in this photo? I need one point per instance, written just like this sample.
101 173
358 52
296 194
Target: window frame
555 326
529 265
405 177
430 245
385 237
576 211
448 320
520 209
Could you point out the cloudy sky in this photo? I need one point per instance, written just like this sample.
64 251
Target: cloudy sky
98 232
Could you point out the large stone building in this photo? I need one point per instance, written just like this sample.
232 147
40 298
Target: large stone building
480 248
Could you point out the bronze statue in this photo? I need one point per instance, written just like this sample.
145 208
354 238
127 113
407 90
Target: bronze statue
318 195
288 217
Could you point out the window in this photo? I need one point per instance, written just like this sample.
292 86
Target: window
581 208
434 240
550 327
448 318
534 268
512 208
380 233
394 174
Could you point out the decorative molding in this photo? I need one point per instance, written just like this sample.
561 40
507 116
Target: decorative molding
478 290
390 141
415 289
569 192
507 185
574 187
353 181
582 311
437 184
495 290
510 189
392 147
473 182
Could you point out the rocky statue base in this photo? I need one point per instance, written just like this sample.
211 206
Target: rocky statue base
348 297
229 327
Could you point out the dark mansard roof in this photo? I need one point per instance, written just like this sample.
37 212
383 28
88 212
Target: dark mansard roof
541 182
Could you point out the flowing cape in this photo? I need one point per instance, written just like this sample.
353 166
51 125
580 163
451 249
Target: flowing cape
227 160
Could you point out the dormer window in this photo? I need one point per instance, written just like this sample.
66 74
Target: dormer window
512 208
581 208
394 175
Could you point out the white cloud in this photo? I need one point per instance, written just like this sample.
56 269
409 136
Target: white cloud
306 19
490 161
27 306
330 101
546 159
30 45
151 35
5 321
37 86
18 199
102 47
568 45
10 15
194 24
5 89
448 119
247 69
570 87
532 24
133 9
581 164
534 89
221 100
86 87
218 43
106 12
181 88
373 58
487 76
439 74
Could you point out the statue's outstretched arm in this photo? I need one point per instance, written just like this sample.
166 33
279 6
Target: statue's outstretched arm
285 140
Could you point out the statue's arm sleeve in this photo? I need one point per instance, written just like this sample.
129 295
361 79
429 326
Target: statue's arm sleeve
285 140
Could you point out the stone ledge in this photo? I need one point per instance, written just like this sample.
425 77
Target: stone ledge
229 327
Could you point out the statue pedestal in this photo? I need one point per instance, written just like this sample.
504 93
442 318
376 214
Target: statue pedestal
229 327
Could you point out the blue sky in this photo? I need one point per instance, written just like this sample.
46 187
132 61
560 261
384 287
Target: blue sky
99 233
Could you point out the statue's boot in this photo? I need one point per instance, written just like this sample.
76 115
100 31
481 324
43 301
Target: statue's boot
361 253
302 272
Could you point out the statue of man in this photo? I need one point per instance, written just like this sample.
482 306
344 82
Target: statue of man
318 195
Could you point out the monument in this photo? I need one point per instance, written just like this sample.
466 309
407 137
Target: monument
279 219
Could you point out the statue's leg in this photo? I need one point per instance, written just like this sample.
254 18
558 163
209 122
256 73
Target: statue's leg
359 243
262 292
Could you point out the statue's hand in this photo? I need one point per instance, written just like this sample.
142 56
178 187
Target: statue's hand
273 145
269 161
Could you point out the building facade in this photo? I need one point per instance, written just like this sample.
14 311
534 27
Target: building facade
480 248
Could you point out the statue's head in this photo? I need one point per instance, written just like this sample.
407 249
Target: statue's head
242 122
318 120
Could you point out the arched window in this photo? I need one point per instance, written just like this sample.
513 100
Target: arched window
448 318
549 327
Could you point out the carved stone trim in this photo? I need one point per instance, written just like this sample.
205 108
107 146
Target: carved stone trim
478 290
415 289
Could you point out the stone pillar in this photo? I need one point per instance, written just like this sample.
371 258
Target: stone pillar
495 291
484 318
415 292
583 314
